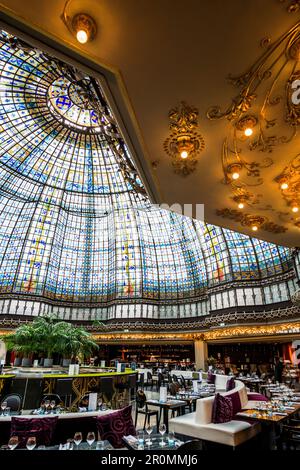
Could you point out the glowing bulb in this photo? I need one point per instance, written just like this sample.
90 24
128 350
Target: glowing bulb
235 175
241 205
295 208
248 132
284 186
184 154
82 36
254 228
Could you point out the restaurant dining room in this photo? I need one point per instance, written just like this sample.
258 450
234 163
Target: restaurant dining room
149 230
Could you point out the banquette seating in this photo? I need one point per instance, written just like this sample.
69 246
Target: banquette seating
199 424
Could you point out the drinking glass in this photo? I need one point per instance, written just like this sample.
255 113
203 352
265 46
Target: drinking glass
100 445
47 404
7 411
149 430
3 407
171 439
162 431
52 405
140 439
77 438
13 442
90 439
31 443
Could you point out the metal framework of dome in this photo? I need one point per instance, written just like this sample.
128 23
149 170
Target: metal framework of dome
76 226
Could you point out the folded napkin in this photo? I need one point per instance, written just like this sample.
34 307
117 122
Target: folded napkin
279 413
130 438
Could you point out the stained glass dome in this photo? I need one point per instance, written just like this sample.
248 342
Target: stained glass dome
75 224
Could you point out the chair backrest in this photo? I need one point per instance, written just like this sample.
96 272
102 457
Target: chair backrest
173 387
14 402
140 399
175 378
149 375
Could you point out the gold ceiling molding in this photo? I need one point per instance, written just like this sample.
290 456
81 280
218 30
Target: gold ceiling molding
269 95
293 7
184 143
255 222
289 180
117 337
242 331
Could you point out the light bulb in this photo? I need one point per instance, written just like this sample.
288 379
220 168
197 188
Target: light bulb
241 205
82 36
295 208
254 228
184 154
284 186
235 175
248 131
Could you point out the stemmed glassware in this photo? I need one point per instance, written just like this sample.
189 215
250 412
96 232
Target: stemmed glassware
52 405
162 431
13 442
90 439
149 430
31 443
77 438
99 403
47 404
3 407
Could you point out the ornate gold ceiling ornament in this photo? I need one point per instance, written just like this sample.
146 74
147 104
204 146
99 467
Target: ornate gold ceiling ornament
184 143
289 181
293 7
255 222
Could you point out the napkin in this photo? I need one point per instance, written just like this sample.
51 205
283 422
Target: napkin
130 438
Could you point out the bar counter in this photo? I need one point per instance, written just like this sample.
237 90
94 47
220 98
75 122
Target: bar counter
115 388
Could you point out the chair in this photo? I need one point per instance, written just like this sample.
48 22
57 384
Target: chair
173 388
149 379
14 402
142 408
161 381
191 446
141 380
64 389
290 436
107 390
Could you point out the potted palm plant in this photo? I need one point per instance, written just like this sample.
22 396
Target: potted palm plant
50 334
23 341
76 340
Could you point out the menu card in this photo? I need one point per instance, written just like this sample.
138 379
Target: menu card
92 406
195 386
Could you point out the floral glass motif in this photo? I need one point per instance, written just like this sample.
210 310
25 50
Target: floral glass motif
72 228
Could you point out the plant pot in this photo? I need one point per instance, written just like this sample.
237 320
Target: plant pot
26 362
41 361
66 362
48 362
17 362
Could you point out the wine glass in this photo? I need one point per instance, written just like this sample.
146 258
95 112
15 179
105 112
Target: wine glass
77 438
90 439
52 405
149 430
47 404
31 443
162 431
3 407
99 403
13 442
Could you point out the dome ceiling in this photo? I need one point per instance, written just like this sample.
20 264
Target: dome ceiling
75 224
161 53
